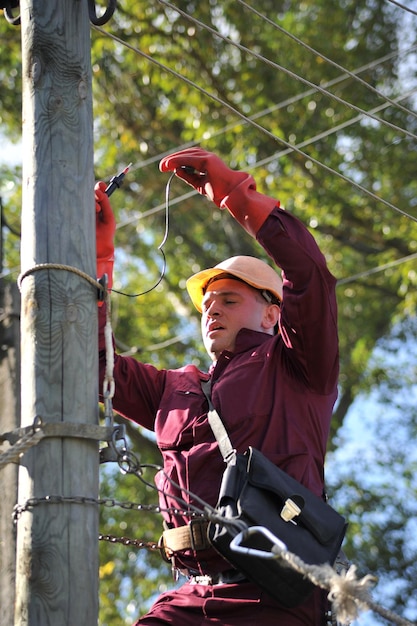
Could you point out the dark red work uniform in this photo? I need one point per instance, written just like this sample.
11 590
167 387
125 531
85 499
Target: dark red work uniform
275 393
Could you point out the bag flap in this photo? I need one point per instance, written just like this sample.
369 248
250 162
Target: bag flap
317 516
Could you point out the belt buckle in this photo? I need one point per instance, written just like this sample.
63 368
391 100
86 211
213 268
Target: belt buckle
198 534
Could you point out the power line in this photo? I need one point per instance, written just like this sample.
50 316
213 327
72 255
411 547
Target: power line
290 146
402 6
342 281
286 71
329 131
327 59
375 270
288 149
282 104
278 106
273 157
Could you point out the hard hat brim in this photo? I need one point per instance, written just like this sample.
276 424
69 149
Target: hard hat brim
250 270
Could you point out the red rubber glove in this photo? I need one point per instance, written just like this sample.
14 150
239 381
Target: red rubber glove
211 177
227 188
105 229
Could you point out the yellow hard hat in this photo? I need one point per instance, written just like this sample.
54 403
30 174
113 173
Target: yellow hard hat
251 270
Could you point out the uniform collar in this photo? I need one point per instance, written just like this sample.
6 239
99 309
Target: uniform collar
245 340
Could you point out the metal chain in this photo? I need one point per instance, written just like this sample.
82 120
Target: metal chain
107 502
126 541
22 439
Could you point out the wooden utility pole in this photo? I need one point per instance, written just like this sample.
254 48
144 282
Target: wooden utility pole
57 547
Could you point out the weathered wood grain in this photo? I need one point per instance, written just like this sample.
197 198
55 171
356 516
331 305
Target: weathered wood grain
57 553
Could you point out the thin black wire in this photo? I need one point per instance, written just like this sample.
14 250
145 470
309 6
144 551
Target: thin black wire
160 248
402 6
258 126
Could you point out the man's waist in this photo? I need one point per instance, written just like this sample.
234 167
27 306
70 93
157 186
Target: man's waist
193 537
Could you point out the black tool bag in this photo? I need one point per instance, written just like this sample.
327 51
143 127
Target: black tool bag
256 493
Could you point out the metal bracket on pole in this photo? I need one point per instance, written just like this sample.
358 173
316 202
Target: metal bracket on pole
60 429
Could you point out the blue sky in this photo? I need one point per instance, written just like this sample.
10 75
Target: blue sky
10 154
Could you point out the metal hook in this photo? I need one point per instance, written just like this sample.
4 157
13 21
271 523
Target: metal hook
7 6
277 546
112 452
99 21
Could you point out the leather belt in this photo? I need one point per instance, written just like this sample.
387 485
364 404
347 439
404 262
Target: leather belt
193 536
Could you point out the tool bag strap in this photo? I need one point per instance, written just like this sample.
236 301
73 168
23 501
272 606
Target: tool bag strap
228 452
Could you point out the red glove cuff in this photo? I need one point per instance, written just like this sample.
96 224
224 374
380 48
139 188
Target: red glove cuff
249 207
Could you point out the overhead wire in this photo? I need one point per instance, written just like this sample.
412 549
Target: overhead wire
403 6
262 162
375 270
330 131
285 70
238 113
276 107
298 97
327 59
290 148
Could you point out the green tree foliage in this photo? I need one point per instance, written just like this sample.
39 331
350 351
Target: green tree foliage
238 82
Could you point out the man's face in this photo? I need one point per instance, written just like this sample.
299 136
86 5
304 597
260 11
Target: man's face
229 305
